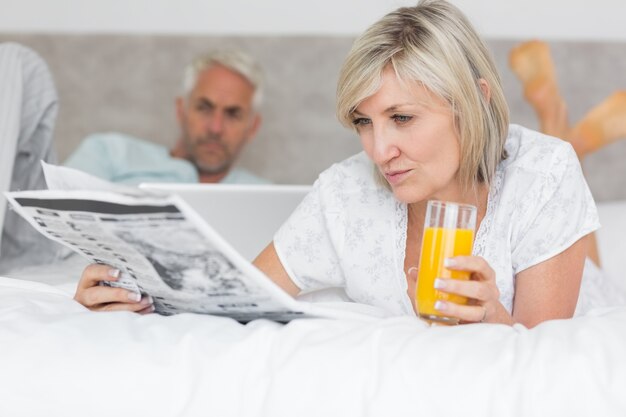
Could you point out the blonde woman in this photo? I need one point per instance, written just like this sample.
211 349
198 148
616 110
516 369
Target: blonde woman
422 93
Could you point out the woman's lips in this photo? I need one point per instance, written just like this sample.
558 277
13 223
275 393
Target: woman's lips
395 177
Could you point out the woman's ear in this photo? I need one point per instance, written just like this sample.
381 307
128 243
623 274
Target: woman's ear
484 88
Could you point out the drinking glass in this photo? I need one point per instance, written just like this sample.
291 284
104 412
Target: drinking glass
448 231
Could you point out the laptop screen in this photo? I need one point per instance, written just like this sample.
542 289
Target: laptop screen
247 216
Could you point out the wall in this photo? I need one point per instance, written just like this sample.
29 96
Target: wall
576 19
118 51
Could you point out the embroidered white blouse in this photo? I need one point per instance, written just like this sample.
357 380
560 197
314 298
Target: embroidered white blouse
350 232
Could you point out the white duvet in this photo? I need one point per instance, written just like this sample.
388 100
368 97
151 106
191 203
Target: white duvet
58 359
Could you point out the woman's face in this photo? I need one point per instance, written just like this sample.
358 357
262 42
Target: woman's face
408 132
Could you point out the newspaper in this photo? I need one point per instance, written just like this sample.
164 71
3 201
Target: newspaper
159 243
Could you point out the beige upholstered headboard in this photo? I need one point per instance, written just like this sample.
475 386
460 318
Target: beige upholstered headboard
128 84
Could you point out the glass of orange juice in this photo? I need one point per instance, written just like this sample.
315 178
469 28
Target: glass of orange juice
448 231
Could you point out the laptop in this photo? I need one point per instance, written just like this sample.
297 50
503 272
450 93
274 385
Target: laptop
247 216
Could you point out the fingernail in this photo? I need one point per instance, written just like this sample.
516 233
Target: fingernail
411 270
134 296
449 263
114 273
440 305
440 284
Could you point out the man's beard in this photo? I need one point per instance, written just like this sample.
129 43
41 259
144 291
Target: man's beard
214 165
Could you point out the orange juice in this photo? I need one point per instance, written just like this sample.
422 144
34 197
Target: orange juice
437 244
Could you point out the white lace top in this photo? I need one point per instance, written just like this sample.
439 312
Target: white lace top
350 232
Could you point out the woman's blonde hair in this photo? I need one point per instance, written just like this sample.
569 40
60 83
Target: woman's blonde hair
434 44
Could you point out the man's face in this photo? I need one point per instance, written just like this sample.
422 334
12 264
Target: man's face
217 119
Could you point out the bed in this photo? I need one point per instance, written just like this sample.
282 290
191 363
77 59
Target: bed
57 358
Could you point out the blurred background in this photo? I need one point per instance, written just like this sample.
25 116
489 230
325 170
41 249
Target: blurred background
117 65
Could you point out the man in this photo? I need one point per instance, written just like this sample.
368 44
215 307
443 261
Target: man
218 115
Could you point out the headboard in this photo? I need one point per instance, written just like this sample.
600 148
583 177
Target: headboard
128 83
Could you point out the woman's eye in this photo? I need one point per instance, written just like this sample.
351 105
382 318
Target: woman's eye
360 121
400 118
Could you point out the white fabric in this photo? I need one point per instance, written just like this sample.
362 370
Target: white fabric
57 359
612 242
28 109
351 232
606 286
10 114
598 288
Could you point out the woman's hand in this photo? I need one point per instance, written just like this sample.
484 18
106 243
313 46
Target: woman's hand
483 305
103 298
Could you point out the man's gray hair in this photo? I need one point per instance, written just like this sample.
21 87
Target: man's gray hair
235 60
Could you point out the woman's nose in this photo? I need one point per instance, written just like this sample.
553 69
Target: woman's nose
385 147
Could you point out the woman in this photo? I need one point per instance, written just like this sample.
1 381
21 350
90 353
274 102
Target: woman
422 92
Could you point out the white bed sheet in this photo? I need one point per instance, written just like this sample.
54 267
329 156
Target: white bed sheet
612 242
57 358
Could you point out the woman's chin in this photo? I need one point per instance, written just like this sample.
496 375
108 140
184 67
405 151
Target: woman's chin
405 194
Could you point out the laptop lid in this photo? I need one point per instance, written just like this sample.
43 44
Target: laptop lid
247 216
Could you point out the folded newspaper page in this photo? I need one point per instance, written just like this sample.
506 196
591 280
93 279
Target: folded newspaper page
161 246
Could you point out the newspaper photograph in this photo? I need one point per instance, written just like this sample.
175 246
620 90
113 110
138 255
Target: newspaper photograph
162 249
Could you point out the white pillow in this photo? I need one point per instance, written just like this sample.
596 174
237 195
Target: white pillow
612 240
